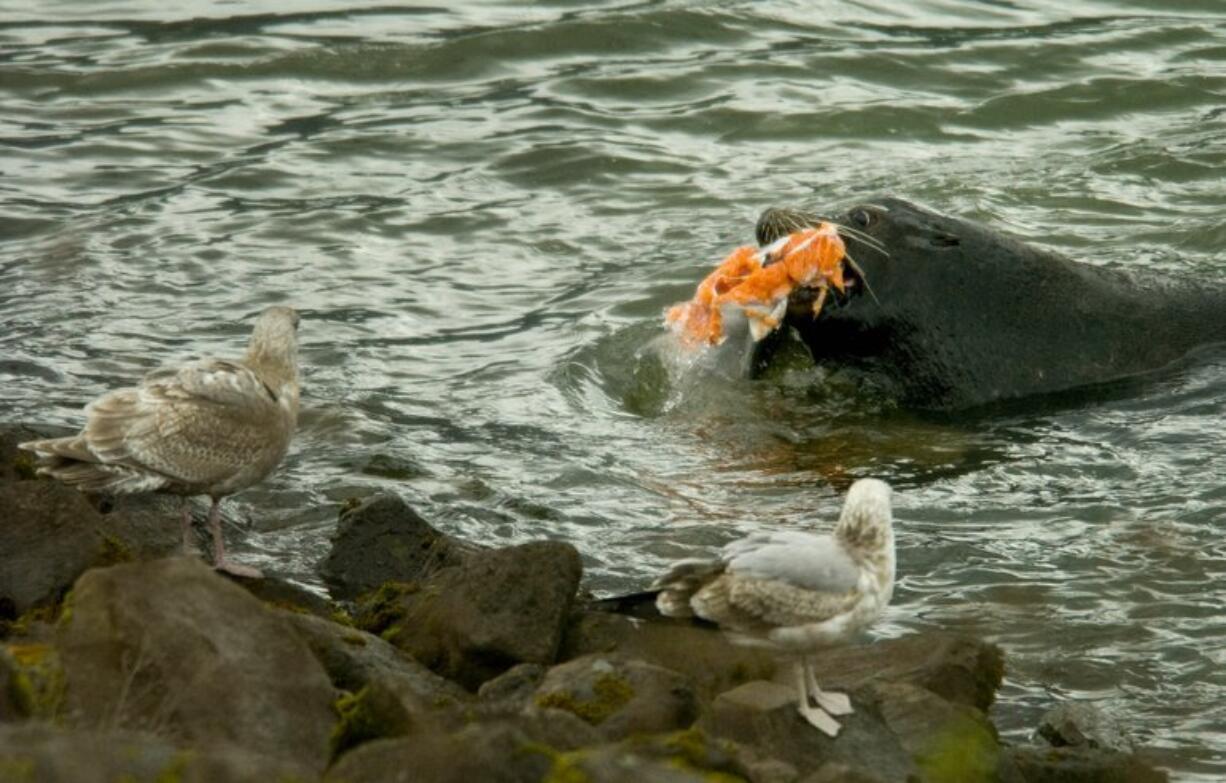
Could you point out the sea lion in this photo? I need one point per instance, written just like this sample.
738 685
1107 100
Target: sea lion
953 314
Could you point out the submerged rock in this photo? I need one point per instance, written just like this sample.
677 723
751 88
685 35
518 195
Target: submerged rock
1077 724
14 696
1082 765
170 646
383 539
498 608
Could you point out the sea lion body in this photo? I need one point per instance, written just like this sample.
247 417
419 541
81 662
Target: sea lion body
961 315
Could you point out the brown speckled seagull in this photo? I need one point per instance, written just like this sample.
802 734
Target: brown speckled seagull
797 591
212 427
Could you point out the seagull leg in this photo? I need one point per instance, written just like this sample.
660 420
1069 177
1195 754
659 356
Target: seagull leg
220 562
816 716
189 540
833 703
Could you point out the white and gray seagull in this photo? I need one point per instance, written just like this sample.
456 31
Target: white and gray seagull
212 427
797 592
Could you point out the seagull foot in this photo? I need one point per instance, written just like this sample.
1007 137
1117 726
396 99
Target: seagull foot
834 703
235 569
820 719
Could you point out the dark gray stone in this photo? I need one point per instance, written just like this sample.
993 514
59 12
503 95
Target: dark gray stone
620 696
1082 765
354 658
40 753
171 647
763 716
498 608
1078 724
384 540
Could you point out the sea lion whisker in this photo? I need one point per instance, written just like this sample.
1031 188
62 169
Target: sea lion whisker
851 262
870 241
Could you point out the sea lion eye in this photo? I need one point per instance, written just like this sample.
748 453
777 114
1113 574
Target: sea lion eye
861 217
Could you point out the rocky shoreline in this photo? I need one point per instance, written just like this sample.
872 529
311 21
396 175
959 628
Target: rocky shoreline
440 660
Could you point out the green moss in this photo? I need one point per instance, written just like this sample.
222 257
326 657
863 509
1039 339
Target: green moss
609 694
39 683
382 609
113 552
25 465
15 770
964 750
566 769
341 617
366 715
173 772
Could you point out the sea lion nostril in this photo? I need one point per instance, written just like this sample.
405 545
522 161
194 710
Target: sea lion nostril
945 240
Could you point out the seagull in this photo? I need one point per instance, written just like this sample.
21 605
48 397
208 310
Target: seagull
211 427
796 592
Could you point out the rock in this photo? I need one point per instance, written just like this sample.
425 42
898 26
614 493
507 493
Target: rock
957 668
503 751
18 465
41 753
284 594
382 709
14 691
620 695
711 662
763 715
948 741
517 684
384 540
1082 765
473 621
1079 724
50 534
170 646
354 658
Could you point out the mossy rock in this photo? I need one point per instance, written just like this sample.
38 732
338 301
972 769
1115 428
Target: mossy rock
37 685
610 693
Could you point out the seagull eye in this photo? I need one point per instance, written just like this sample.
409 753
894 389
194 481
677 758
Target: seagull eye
862 218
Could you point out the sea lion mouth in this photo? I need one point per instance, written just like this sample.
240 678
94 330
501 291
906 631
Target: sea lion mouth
778 222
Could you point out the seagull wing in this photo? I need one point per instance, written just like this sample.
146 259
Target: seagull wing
199 424
816 563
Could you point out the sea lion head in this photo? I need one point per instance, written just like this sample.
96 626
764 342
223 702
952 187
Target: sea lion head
904 264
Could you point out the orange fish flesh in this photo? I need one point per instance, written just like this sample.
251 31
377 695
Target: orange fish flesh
759 281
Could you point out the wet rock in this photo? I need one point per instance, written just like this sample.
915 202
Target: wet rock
383 540
1078 724
14 696
711 662
18 465
498 608
620 695
959 669
382 709
50 534
503 751
353 659
284 594
516 685
763 716
41 753
1082 765
169 646
948 741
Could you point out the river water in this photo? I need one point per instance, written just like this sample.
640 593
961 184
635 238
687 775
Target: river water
483 208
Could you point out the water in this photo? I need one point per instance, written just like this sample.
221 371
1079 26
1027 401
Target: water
483 209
